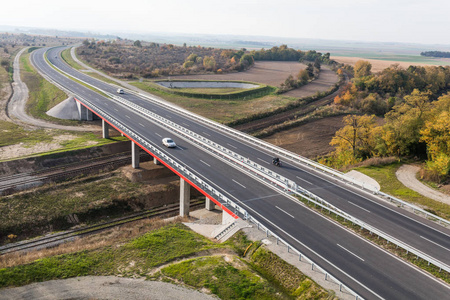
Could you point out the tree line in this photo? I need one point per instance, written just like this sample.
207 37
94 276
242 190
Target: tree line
379 93
415 104
436 54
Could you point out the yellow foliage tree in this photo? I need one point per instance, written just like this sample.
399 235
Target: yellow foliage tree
355 140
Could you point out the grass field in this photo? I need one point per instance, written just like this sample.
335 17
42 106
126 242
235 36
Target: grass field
42 94
209 90
221 110
385 175
219 270
380 62
67 57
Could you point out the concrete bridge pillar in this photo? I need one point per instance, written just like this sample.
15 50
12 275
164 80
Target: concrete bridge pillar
209 204
105 129
185 197
155 161
134 155
89 115
81 111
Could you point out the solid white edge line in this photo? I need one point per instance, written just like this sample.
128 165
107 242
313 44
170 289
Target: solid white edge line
351 252
435 243
239 183
263 160
384 205
358 206
304 180
205 163
315 175
285 212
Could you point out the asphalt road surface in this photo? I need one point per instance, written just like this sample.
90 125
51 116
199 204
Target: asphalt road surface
368 270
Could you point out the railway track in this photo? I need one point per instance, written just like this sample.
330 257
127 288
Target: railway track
12 183
59 238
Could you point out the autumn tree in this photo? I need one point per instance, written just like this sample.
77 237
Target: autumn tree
137 43
403 124
362 68
436 134
355 140
209 63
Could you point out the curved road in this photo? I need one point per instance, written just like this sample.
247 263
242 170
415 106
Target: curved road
371 272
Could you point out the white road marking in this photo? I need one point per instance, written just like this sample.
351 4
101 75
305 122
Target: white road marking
285 212
263 160
168 116
232 146
206 133
239 183
141 125
158 134
375 202
127 116
178 147
435 243
304 180
350 252
205 163
358 206
185 124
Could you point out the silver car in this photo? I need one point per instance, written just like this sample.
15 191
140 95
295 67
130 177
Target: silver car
169 143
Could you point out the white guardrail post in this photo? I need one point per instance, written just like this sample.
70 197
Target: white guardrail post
258 170
293 156
206 187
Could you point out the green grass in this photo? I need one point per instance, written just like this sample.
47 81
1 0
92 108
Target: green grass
150 250
209 90
67 57
230 278
220 110
42 94
385 175
11 133
222 278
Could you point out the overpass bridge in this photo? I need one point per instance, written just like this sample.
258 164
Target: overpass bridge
234 171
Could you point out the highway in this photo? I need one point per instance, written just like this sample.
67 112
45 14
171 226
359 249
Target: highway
368 270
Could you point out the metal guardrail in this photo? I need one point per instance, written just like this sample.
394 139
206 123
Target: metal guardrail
297 158
266 174
202 184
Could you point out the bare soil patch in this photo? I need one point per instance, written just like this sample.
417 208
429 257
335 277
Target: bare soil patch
310 140
22 149
268 72
377 65
327 78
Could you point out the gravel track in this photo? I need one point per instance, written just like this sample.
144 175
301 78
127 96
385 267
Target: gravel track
406 174
102 287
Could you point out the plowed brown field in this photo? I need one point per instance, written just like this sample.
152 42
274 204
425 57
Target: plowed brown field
267 72
310 140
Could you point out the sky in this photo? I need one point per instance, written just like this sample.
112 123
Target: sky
412 21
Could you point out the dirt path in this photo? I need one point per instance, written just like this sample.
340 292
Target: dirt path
406 174
327 78
17 104
102 287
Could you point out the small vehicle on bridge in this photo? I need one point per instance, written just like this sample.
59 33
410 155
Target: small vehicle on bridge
120 91
169 143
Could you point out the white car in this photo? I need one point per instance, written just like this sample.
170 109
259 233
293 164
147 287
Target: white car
169 143
120 91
